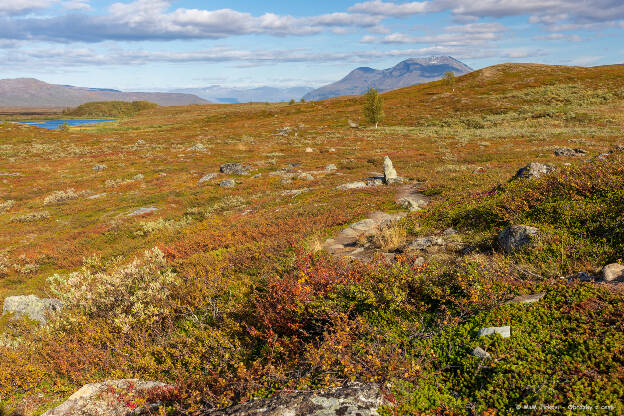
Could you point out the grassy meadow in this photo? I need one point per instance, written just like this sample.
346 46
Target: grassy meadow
226 293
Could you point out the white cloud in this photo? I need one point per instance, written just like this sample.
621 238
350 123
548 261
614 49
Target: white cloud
23 6
381 8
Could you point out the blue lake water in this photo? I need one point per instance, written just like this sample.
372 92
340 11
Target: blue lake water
55 124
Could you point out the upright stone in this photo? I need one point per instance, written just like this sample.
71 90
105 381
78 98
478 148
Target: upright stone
390 173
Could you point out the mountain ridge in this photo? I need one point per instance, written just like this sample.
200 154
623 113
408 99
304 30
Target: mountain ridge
227 95
31 92
404 74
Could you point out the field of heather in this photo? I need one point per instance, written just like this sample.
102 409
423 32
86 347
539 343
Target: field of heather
234 282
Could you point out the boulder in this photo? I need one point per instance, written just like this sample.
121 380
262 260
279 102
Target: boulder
568 152
32 307
355 399
390 173
516 236
112 398
227 183
235 169
503 331
533 170
613 272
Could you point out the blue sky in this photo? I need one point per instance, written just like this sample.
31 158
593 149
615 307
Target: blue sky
162 44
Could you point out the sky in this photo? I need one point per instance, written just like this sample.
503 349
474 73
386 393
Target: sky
155 45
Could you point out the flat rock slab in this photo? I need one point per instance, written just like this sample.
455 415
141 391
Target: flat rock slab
527 298
353 400
503 331
109 398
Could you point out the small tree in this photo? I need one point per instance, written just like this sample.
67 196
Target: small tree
449 80
373 107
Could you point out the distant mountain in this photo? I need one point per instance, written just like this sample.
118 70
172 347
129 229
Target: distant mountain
30 92
226 95
404 74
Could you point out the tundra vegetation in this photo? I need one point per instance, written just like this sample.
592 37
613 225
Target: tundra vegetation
226 293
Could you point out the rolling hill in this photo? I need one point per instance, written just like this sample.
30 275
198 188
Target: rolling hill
404 74
30 92
225 95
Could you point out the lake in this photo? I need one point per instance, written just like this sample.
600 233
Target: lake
55 124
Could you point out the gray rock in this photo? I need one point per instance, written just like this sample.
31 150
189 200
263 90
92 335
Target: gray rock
331 167
481 353
99 167
374 181
110 398
295 192
352 185
423 243
449 232
503 331
97 196
235 169
533 170
353 124
208 177
413 202
582 276
613 272
227 183
305 176
568 152
354 399
32 307
516 236
527 298
309 150
197 148
389 172
142 211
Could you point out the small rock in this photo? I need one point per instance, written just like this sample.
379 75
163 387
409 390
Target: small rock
527 298
503 331
140 142
309 150
331 167
582 276
227 183
295 192
96 196
235 169
481 353
99 167
423 243
533 170
208 177
331 150
111 398
389 172
412 203
419 262
32 307
568 152
197 148
305 177
613 272
449 232
142 211
516 236
353 124
352 185
374 181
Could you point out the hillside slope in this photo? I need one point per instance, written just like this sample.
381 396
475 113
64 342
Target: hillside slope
404 74
29 92
299 269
